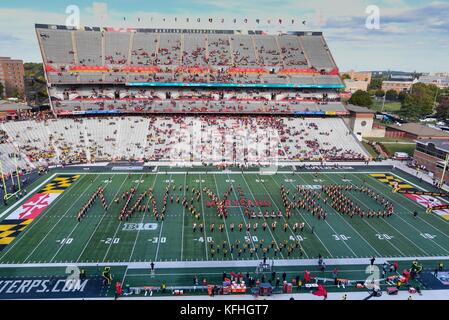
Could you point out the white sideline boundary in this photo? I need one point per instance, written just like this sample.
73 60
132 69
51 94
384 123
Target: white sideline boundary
224 263
216 172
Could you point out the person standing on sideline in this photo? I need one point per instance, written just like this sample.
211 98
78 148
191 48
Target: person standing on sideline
195 281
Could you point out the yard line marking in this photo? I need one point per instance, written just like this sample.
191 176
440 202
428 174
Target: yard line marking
416 204
385 195
370 225
22 235
386 221
269 229
224 220
120 223
204 218
99 223
54 226
337 214
183 218
243 216
162 225
297 210
294 235
143 217
74 228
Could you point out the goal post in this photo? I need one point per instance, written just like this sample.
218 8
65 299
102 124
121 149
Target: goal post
6 194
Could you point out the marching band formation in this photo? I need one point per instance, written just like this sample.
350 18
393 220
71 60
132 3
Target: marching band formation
317 202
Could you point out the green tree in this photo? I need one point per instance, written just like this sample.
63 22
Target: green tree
442 108
1 90
361 98
401 96
379 93
345 76
410 108
391 95
419 102
375 84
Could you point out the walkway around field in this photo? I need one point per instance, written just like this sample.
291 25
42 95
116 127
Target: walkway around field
223 263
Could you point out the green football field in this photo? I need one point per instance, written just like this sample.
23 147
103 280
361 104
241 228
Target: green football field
55 236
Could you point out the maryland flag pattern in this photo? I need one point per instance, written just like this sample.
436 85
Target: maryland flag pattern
393 181
424 198
20 218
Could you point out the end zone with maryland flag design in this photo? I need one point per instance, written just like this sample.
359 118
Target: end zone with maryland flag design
20 218
425 198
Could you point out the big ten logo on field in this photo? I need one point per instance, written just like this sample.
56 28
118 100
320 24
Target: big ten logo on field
139 226
310 186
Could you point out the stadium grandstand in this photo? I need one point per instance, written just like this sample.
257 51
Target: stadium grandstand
143 94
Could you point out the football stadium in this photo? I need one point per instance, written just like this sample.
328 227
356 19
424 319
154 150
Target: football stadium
191 162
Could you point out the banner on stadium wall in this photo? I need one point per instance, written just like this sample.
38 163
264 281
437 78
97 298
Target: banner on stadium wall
427 193
87 112
101 111
414 194
24 215
316 113
64 112
51 287
441 207
233 85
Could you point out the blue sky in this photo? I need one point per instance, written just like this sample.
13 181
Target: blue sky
413 35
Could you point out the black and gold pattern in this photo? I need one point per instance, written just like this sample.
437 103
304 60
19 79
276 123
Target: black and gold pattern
10 229
59 184
393 181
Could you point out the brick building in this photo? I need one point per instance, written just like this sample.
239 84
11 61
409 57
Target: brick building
12 77
414 131
432 155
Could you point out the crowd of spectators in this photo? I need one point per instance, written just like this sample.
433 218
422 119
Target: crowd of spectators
240 139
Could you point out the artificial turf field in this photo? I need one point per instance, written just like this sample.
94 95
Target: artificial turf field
55 236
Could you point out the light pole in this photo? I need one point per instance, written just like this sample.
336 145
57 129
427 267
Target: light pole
440 183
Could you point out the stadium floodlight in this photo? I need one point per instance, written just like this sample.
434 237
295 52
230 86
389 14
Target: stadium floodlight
441 182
